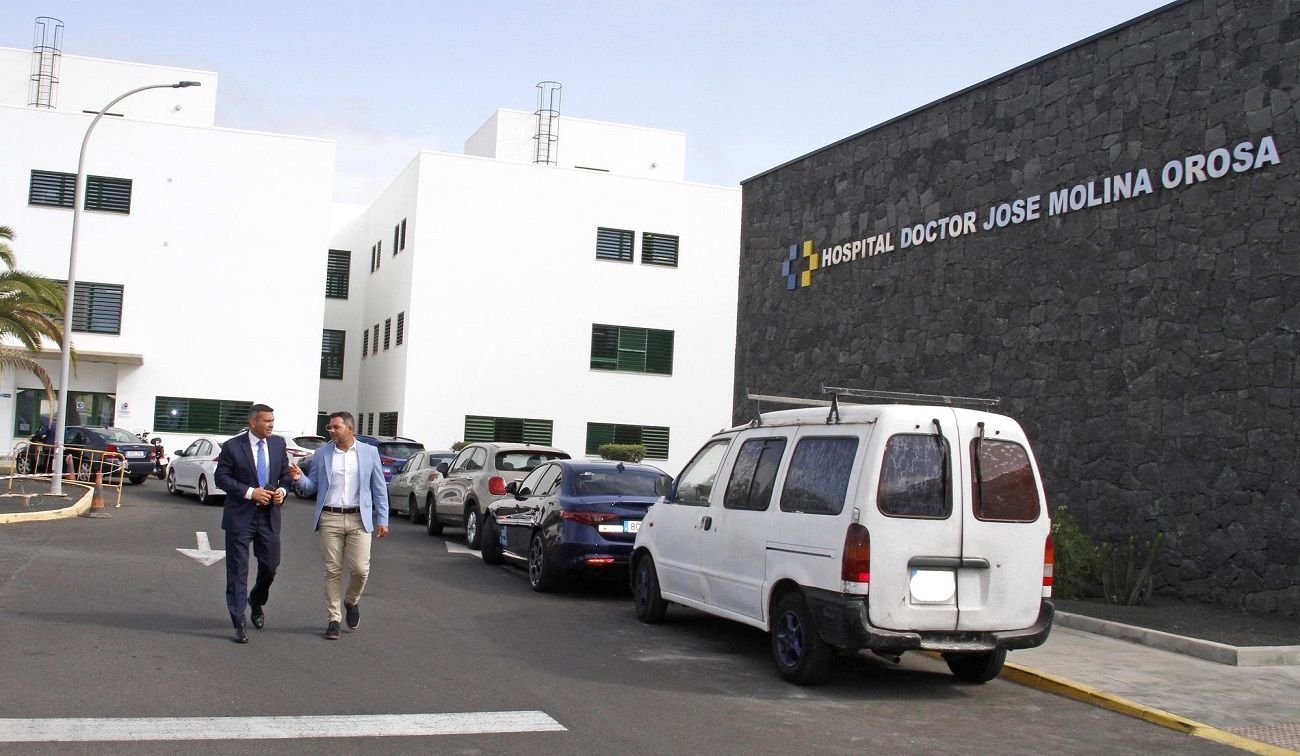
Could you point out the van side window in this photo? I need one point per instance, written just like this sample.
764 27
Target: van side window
914 477
696 481
1003 482
754 474
818 478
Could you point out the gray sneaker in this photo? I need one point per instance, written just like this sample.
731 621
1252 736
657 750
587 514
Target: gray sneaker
332 631
353 613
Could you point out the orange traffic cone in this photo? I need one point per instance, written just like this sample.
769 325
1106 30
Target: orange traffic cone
68 473
97 499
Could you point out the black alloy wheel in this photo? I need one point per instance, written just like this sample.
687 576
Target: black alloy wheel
801 656
491 548
541 576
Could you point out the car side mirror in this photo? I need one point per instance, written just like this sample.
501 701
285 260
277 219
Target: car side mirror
179 452
512 488
442 468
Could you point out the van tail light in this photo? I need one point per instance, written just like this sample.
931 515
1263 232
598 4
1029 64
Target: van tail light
588 518
856 564
497 485
1049 564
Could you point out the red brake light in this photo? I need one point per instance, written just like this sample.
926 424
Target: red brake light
497 486
600 560
388 460
856 564
110 448
588 518
1049 565
434 476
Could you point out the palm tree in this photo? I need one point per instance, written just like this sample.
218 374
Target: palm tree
31 309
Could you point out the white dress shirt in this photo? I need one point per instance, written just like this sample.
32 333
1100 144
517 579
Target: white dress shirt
345 488
252 446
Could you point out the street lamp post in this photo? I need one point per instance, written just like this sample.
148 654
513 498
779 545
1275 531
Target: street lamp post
65 352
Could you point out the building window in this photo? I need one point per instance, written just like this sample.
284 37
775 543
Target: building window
331 353
388 423
186 415
636 350
401 327
659 249
397 239
372 258
370 423
379 253
403 236
514 430
104 193
613 244
374 340
97 307
322 424
365 342
337 274
654 437
388 332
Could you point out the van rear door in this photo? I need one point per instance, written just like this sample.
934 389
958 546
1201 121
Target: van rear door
915 530
1004 525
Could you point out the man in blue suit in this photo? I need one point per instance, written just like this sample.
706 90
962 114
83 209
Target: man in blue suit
351 503
251 470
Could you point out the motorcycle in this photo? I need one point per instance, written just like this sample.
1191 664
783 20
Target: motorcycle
159 457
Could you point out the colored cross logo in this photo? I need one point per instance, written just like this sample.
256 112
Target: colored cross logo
798 274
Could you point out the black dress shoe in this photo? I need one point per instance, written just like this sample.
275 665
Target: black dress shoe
332 630
241 634
259 618
353 615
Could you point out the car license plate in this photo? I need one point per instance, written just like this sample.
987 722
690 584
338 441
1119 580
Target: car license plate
134 454
932 586
631 526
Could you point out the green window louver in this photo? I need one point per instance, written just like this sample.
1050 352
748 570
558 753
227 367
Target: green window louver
189 415
614 244
515 430
653 437
636 350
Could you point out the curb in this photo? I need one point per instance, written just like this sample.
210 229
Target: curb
1249 656
81 506
1087 694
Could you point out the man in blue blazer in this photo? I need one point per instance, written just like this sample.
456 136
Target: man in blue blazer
251 470
351 503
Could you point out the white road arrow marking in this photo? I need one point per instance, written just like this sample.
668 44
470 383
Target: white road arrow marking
260 728
456 548
204 554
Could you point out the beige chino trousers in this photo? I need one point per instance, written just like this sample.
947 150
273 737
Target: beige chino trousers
343 539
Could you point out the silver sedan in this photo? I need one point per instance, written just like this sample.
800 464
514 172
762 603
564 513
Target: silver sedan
408 491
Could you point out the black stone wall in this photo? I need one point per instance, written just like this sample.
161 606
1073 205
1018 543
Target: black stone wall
1148 345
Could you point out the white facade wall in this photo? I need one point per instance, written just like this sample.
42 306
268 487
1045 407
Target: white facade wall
90 83
591 145
220 257
501 287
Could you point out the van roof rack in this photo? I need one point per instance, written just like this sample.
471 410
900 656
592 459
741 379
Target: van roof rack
897 397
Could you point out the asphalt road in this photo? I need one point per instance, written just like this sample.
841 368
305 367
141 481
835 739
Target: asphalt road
104 618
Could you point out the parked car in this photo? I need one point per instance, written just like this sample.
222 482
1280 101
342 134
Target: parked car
893 528
476 478
138 455
194 469
393 451
568 519
408 491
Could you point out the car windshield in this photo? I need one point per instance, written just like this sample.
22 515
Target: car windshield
437 459
119 436
525 459
400 449
309 442
612 482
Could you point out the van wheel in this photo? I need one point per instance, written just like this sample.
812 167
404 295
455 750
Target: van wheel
801 656
472 531
491 549
432 525
977 667
649 603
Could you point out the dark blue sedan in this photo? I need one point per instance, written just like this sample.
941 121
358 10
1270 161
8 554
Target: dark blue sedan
571 518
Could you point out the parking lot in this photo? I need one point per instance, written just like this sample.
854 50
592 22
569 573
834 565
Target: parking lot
105 619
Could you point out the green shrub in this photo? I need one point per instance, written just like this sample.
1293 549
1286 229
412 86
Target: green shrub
622 452
459 445
1126 571
1078 560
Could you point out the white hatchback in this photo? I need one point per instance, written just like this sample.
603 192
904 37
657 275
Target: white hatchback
193 470
881 527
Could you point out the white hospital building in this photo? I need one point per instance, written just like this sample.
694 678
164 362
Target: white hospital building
586 298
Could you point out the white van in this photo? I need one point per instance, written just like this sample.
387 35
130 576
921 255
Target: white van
883 527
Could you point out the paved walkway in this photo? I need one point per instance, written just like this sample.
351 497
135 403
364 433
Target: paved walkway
1259 703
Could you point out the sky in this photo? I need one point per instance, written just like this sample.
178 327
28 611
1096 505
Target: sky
752 83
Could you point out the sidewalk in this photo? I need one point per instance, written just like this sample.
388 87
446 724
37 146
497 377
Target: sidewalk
1249 703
